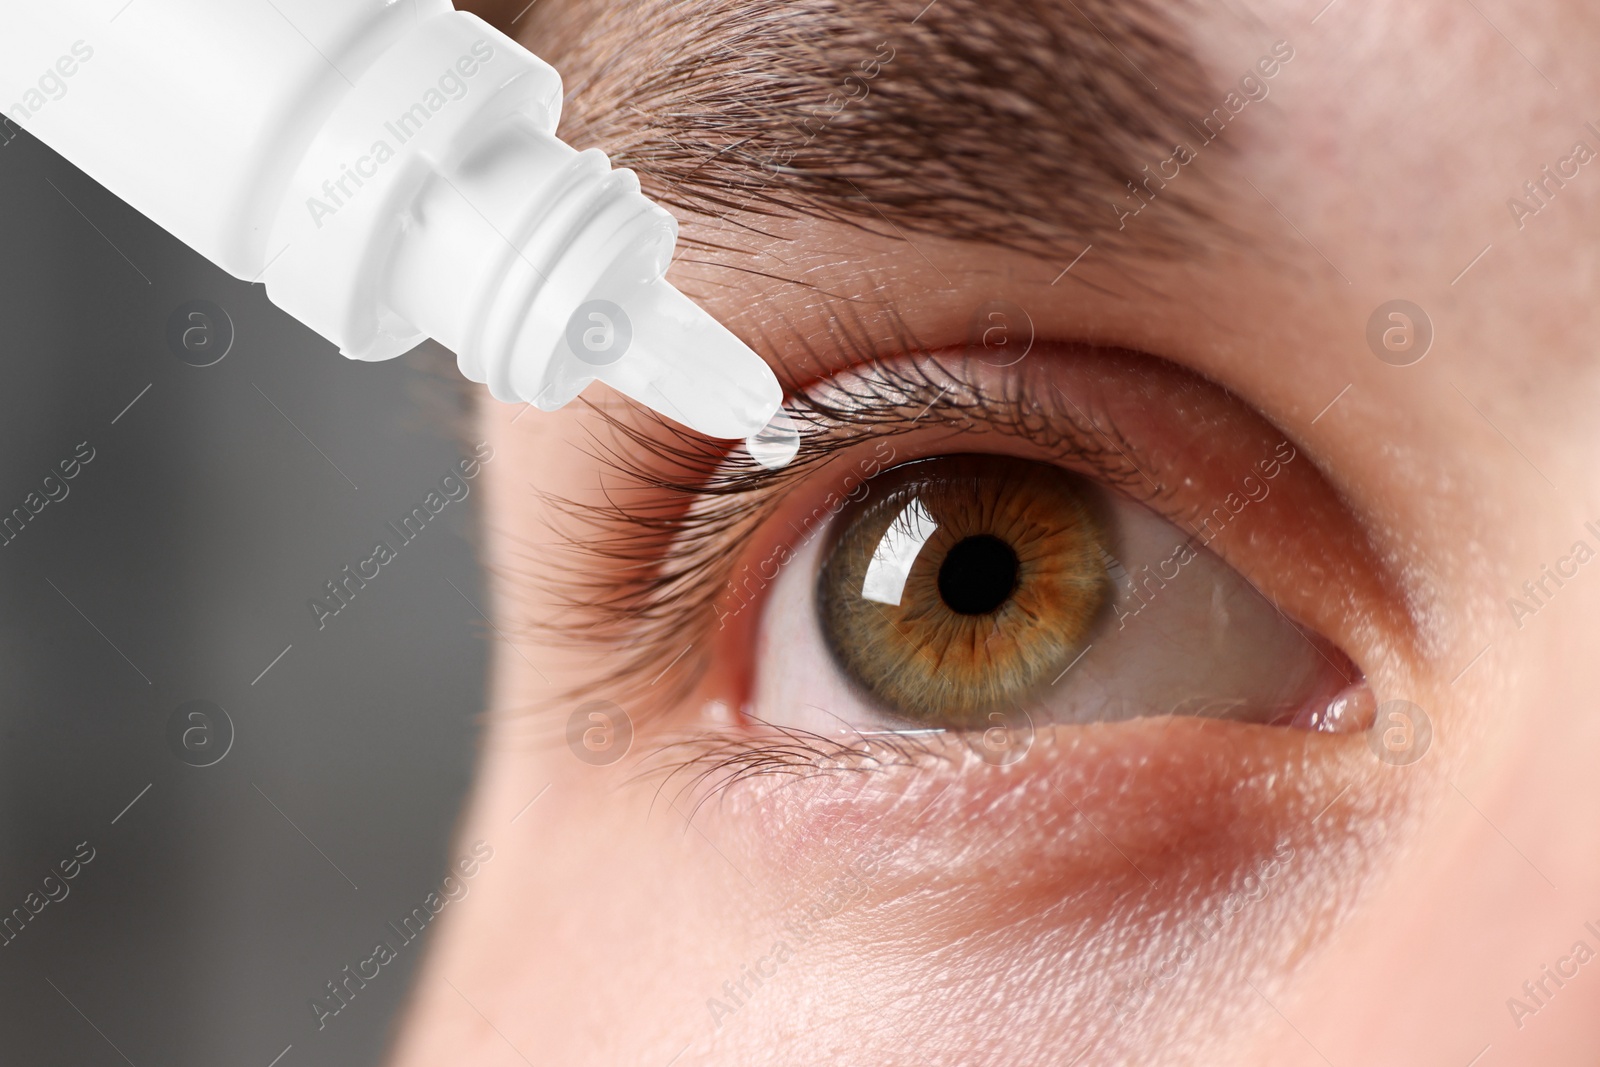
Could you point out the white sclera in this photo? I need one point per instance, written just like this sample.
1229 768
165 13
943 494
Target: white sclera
775 444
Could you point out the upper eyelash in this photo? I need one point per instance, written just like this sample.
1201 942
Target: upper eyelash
651 561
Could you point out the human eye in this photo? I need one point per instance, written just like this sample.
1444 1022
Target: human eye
1091 537
1001 562
982 591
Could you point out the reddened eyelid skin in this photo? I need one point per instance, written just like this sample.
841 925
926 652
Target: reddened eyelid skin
391 173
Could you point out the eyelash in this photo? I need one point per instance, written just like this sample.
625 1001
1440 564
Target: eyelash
651 562
708 762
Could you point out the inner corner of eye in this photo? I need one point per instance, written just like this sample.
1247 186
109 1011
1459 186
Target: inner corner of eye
963 590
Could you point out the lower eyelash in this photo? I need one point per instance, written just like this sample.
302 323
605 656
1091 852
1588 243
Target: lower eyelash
706 763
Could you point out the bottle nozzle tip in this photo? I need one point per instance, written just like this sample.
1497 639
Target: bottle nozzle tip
687 366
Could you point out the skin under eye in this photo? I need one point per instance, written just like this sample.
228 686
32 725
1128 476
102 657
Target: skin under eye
965 590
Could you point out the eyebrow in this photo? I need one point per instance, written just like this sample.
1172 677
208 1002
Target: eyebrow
1019 123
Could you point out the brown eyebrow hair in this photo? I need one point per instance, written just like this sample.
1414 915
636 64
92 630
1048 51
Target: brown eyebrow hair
1020 123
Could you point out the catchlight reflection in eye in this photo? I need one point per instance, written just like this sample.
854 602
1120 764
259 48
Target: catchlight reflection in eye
966 584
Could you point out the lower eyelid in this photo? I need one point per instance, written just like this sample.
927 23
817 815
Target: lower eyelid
1105 844
1100 824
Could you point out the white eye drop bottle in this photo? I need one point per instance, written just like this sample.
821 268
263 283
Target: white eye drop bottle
389 169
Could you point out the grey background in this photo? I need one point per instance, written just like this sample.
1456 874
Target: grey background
190 545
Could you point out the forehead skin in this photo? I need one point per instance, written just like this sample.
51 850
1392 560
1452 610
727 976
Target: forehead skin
1379 168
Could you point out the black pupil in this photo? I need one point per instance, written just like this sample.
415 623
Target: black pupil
978 575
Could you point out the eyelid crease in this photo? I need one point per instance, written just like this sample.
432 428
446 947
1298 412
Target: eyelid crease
650 563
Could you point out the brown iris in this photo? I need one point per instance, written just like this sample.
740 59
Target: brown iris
962 584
